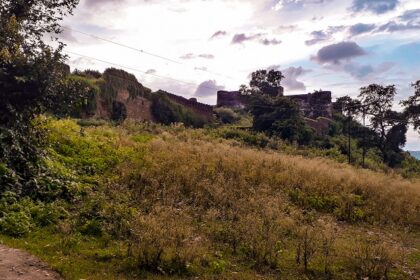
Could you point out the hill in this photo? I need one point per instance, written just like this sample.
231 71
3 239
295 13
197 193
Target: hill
145 201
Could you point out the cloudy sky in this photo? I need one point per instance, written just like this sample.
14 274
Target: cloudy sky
196 47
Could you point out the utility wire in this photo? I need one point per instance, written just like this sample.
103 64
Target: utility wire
122 45
140 84
143 51
138 70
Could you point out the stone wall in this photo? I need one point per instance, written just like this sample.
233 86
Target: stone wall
312 105
231 99
138 108
192 104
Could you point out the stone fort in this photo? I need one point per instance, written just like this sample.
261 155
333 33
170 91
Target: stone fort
316 107
312 105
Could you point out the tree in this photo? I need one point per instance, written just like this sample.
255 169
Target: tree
264 82
412 106
279 116
377 101
30 70
348 106
31 73
273 113
76 98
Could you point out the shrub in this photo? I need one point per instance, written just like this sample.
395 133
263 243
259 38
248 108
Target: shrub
165 242
226 115
370 259
16 224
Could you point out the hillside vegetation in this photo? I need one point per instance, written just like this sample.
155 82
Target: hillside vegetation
148 201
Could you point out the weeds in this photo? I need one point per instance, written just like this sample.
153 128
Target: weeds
174 202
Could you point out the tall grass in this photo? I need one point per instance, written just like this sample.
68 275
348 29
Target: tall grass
178 202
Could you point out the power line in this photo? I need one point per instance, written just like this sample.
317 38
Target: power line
122 45
141 71
138 83
143 51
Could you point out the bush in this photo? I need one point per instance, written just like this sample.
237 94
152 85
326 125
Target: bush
165 242
370 259
226 115
19 216
16 224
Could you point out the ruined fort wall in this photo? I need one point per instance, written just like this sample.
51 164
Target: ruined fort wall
138 108
199 108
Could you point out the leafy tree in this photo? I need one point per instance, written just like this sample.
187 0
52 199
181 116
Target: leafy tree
264 82
30 70
75 98
279 116
31 73
412 106
377 101
273 113
347 106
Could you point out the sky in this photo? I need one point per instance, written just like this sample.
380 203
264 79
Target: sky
194 48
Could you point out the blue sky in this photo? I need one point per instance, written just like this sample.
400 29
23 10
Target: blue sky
337 45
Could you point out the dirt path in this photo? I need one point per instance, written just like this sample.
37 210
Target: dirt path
18 265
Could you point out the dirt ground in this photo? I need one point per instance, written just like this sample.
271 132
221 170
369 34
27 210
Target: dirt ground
18 265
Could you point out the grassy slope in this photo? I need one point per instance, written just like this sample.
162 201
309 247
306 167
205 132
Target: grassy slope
155 201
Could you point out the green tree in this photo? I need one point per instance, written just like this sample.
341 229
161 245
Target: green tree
273 113
279 116
76 97
31 73
348 106
412 106
389 125
264 82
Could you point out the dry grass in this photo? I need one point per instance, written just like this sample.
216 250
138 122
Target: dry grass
197 198
171 203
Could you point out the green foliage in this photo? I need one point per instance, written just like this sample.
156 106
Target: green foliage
226 115
412 106
31 75
156 202
264 82
19 216
167 112
77 98
115 80
249 138
281 117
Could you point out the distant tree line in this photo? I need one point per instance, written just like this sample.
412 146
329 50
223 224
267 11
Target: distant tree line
385 129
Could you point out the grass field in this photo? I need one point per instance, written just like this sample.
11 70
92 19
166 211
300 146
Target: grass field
154 202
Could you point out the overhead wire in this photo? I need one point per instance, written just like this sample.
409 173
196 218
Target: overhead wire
139 70
142 51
